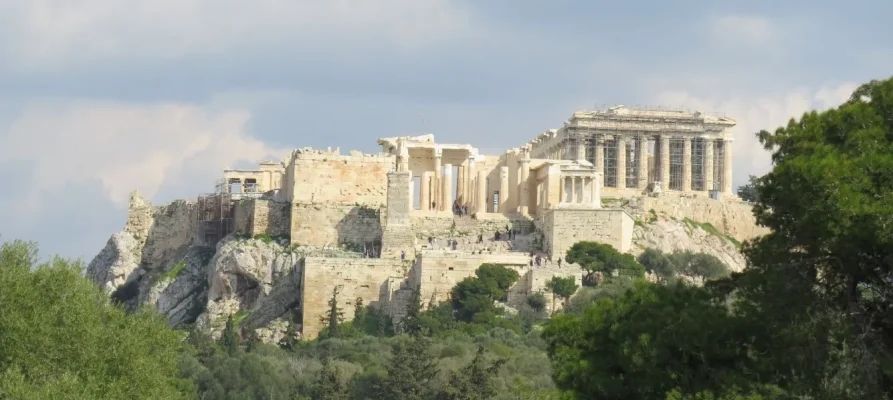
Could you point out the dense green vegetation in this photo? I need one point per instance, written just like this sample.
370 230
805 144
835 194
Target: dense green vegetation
809 318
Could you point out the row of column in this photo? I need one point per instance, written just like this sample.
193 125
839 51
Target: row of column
580 190
437 186
663 169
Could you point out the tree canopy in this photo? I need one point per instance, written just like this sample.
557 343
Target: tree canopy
61 338
602 258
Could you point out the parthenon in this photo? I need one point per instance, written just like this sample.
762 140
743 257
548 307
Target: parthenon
638 149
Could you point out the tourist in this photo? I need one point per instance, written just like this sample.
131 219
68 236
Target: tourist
559 262
402 254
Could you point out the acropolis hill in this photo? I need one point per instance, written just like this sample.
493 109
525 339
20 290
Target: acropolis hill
281 238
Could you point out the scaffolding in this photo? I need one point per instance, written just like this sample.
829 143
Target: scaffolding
215 217
591 142
719 165
610 163
633 147
697 164
676 163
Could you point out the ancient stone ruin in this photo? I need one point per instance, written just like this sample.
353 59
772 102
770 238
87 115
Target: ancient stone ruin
422 214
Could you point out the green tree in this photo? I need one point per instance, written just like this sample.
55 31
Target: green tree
411 371
537 301
62 338
749 192
563 287
473 297
648 342
329 385
818 284
411 323
473 382
333 318
229 338
655 261
700 265
602 258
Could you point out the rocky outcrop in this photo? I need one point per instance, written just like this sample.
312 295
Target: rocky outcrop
116 262
668 235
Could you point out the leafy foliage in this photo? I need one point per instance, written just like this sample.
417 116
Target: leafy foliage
473 297
603 259
61 338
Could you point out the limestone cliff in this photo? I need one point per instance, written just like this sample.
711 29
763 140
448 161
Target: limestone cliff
157 261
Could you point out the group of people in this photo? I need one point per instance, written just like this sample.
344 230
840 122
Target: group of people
451 243
537 260
508 234
460 209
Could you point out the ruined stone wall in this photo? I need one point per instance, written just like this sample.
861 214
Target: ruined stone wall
365 278
262 217
161 231
441 225
330 178
321 224
564 227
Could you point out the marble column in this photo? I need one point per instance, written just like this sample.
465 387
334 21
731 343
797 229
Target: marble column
578 190
446 200
727 165
503 189
481 200
460 183
469 181
664 169
686 164
438 170
600 156
581 150
425 192
621 162
524 186
642 152
596 190
708 165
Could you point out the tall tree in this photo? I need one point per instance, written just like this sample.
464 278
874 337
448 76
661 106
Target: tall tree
819 283
411 371
229 338
563 287
411 323
333 318
748 192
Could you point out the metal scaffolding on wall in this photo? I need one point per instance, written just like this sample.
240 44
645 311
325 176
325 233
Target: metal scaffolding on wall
676 163
697 164
633 147
610 164
653 148
215 217
719 165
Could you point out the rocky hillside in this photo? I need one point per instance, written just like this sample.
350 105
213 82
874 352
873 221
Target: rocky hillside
155 261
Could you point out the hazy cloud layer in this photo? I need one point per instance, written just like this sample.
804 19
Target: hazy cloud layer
101 97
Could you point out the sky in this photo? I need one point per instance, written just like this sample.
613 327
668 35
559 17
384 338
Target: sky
102 97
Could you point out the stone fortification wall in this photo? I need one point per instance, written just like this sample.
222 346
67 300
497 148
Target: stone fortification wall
333 224
730 216
365 278
262 217
397 235
331 178
564 227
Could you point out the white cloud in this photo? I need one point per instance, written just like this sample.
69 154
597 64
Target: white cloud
127 147
755 114
48 33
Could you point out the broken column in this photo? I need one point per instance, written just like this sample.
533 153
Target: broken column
503 189
686 164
